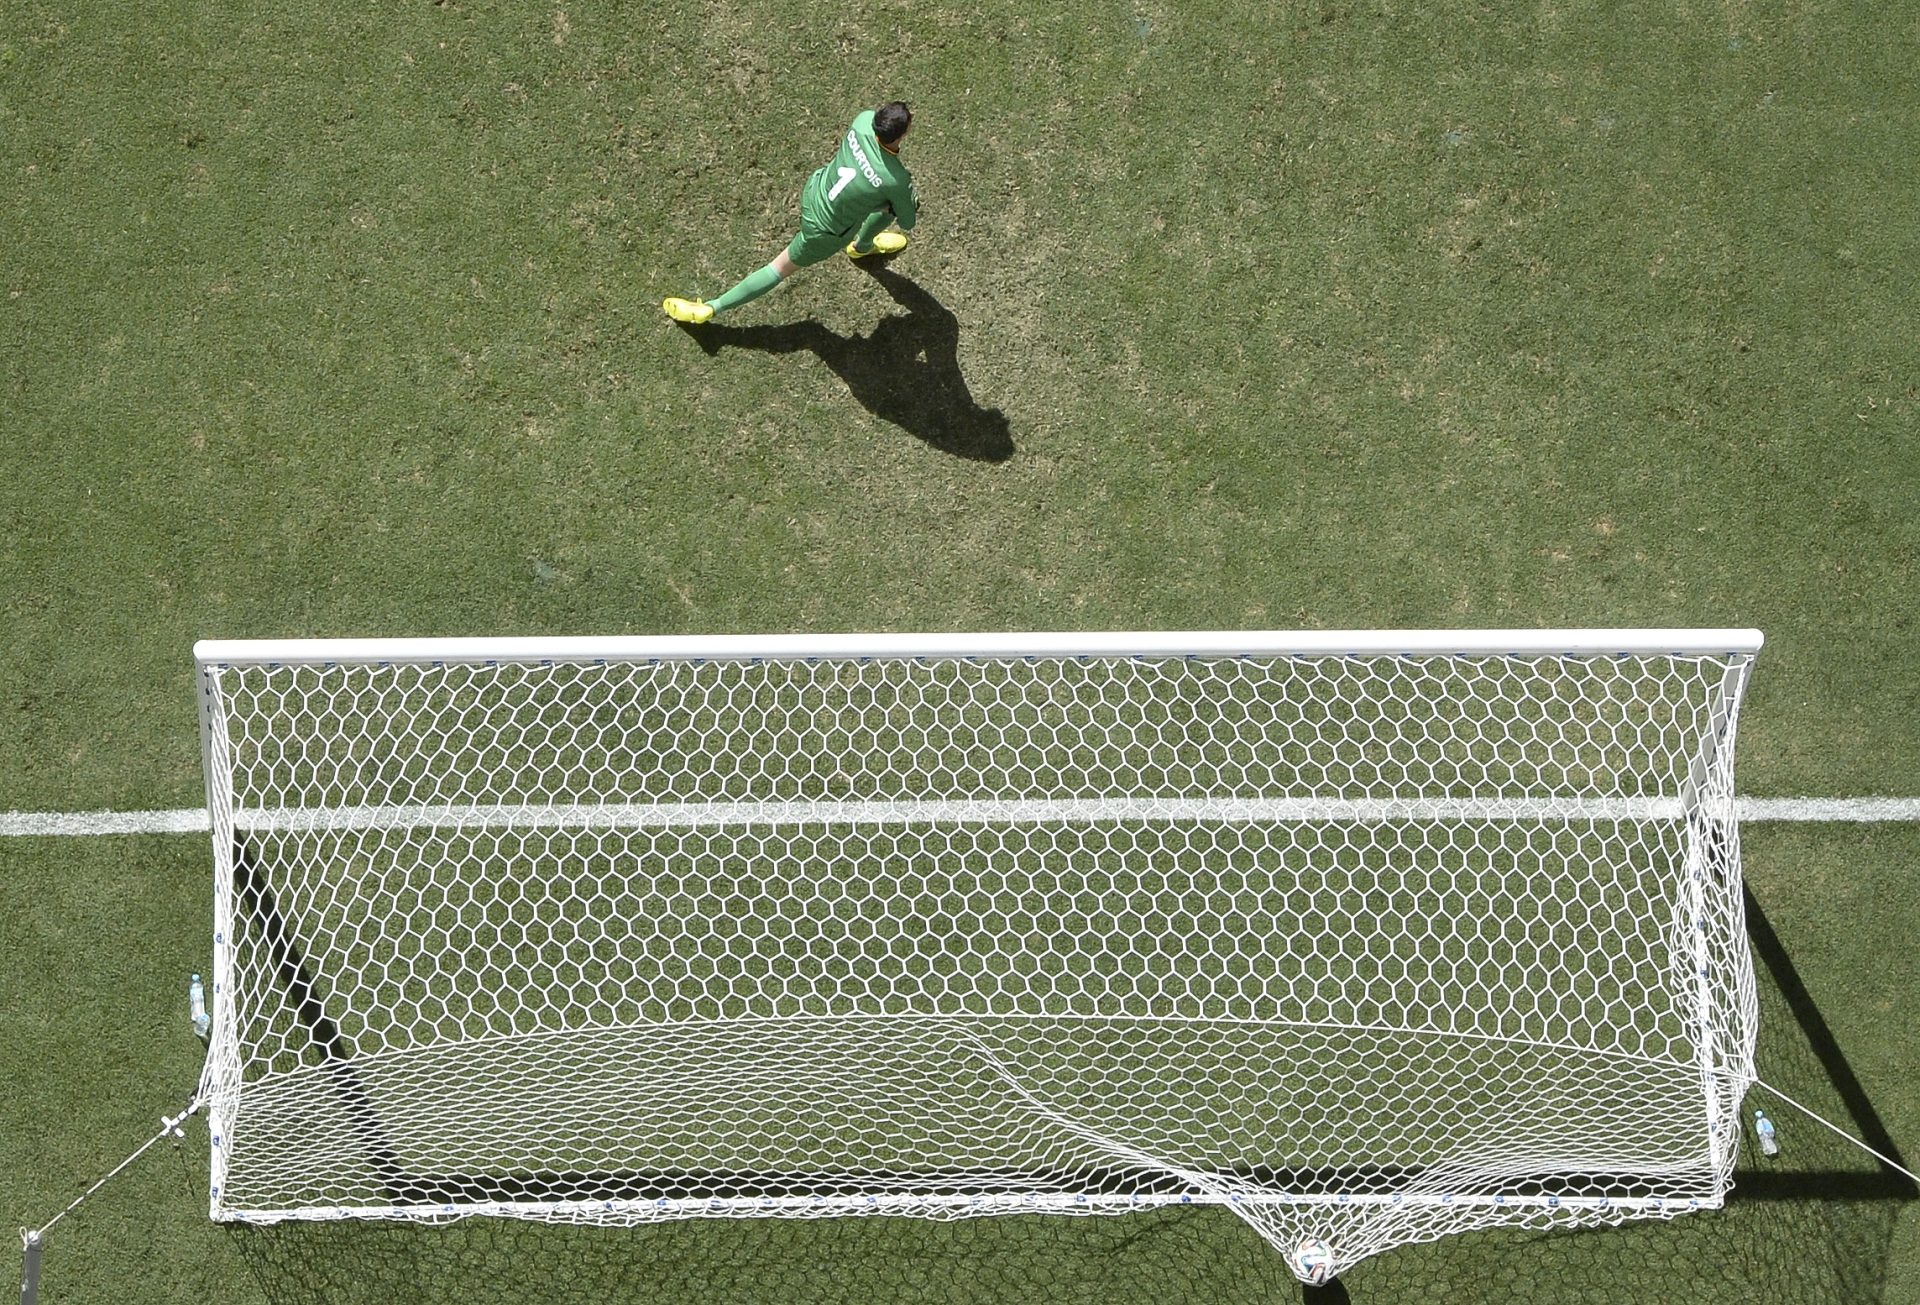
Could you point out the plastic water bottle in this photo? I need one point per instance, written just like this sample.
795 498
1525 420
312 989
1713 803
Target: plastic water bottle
197 999
1764 1127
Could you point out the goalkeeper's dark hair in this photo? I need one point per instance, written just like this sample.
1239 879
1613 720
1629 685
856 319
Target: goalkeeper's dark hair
890 122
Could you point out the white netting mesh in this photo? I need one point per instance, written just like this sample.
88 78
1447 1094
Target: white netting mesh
1372 948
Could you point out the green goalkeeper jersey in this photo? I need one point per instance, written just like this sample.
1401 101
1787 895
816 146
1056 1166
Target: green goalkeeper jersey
862 179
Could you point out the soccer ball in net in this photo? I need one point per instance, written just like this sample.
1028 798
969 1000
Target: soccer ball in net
1313 1262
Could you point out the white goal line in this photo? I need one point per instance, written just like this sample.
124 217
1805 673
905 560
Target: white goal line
1030 812
42 824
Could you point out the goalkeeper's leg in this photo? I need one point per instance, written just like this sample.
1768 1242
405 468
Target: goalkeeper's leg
874 238
755 284
749 287
809 247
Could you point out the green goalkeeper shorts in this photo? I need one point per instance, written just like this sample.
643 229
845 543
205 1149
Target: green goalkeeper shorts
813 245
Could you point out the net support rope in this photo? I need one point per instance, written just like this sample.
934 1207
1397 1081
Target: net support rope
33 1240
1819 1118
169 1127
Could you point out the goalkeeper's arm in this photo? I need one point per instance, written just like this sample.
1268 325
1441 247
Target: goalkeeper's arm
905 205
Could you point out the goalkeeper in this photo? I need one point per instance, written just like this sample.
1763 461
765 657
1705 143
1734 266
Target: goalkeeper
846 205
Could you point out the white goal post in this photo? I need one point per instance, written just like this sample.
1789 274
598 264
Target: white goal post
1369 936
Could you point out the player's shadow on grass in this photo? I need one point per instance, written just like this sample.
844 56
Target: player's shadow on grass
907 371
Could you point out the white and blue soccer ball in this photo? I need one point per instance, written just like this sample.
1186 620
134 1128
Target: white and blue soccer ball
1313 1262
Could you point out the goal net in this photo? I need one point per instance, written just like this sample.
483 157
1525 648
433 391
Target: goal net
1370 937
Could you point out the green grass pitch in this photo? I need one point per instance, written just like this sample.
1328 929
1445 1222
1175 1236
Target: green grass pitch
343 319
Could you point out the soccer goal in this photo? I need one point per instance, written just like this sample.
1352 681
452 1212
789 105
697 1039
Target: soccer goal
1369 937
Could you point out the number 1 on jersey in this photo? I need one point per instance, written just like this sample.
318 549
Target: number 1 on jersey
846 175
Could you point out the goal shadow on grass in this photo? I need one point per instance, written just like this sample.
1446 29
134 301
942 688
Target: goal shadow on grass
905 372
1863 1179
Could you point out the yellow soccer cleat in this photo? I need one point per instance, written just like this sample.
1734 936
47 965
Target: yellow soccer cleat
887 242
690 311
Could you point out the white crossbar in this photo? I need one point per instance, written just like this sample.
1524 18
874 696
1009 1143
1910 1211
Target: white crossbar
1020 646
